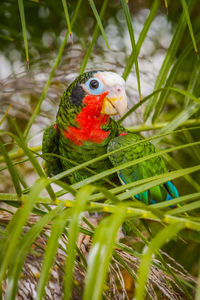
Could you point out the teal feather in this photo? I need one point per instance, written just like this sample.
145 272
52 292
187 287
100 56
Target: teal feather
172 189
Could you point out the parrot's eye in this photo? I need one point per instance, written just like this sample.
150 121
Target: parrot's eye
94 86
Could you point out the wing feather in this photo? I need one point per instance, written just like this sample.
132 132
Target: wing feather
145 169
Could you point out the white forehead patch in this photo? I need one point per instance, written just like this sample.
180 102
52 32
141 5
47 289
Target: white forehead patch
110 78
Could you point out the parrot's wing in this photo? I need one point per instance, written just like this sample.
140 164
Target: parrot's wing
145 169
50 145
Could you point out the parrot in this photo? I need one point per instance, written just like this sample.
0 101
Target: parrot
84 129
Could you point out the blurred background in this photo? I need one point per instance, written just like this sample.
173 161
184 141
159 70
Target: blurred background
46 29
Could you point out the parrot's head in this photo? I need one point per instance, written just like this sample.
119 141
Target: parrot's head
101 89
91 97
107 89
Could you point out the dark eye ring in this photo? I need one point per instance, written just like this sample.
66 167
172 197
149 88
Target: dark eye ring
94 84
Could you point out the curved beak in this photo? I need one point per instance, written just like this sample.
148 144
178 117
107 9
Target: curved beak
115 102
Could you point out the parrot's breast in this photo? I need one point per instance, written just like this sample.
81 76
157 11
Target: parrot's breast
88 130
80 148
89 123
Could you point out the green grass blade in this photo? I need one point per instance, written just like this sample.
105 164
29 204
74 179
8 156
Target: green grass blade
81 200
5 114
169 57
187 16
178 120
101 253
195 150
33 160
138 210
197 296
10 239
135 129
50 253
126 165
186 93
144 184
164 266
8 196
171 79
132 109
51 75
161 179
20 153
157 242
170 175
11 169
22 250
95 12
67 172
157 180
125 266
94 37
147 24
141 38
146 212
181 199
23 21
193 79
67 16
108 194
185 208
65 186
176 165
132 38
160 125
184 114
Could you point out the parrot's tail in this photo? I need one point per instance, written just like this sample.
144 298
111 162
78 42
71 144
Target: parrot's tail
172 190
149 196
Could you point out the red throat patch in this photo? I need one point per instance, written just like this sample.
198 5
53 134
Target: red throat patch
89 122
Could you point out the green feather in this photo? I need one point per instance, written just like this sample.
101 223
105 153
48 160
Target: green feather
50 145
148 168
